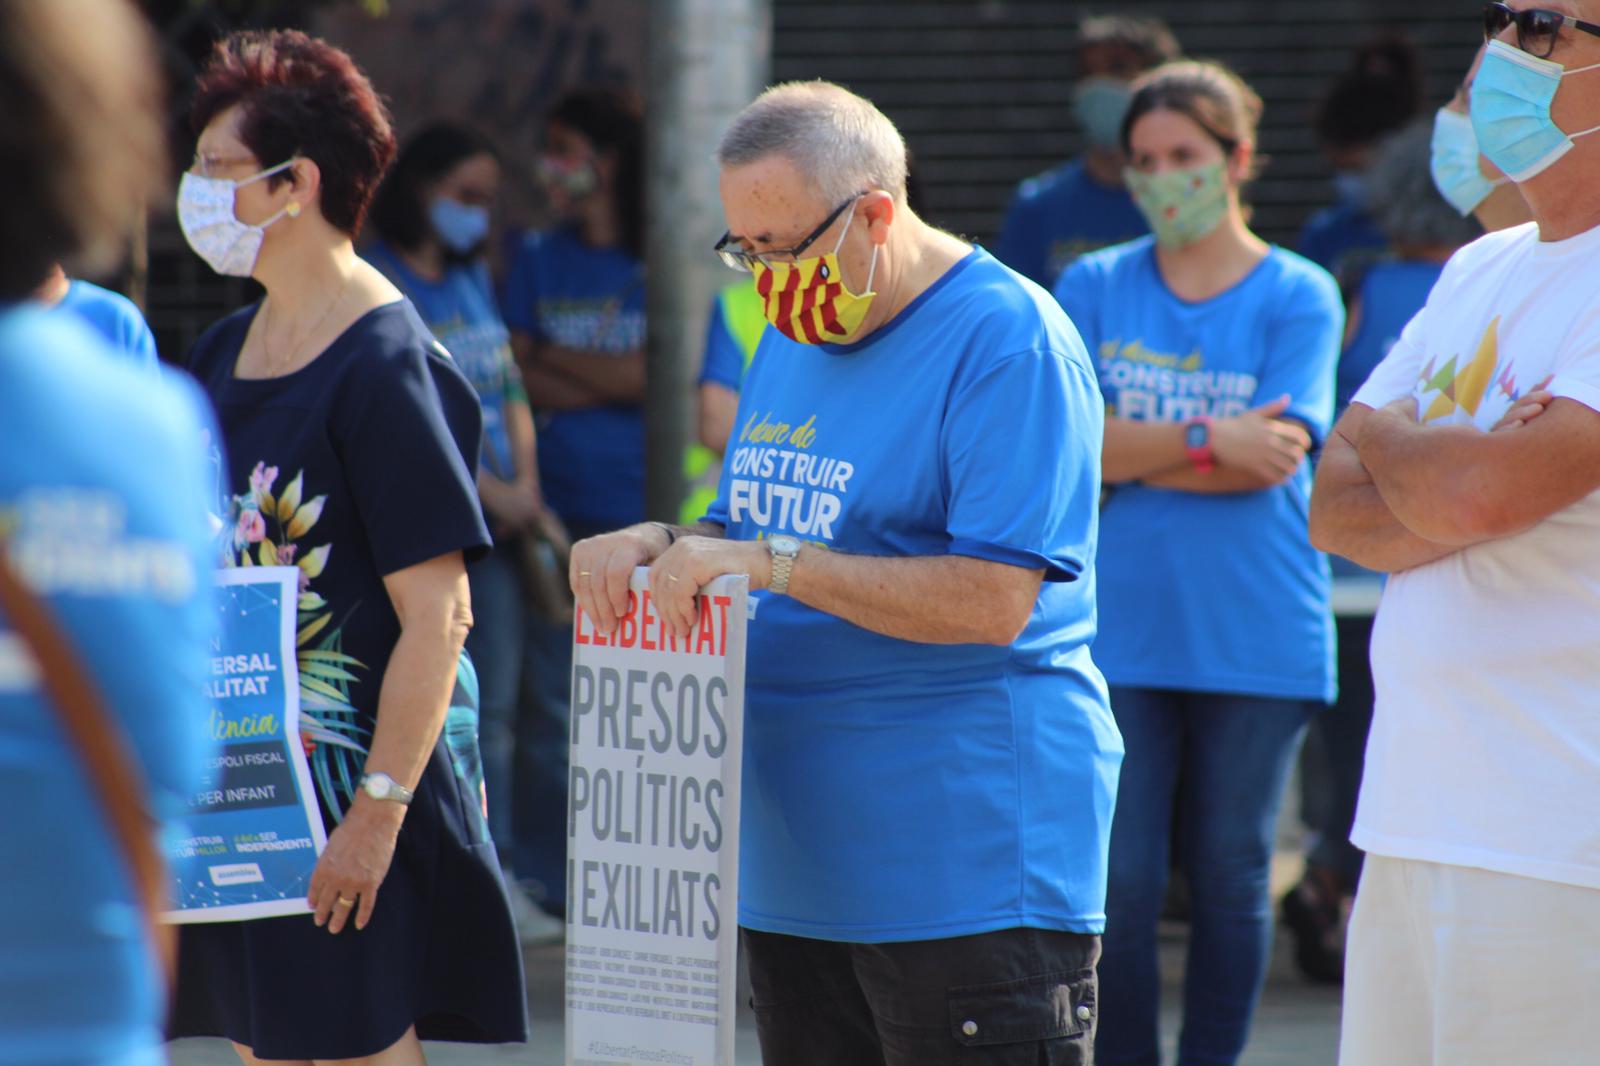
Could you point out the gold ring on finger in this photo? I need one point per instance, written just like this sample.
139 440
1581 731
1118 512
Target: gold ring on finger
672 577
585 573
343 902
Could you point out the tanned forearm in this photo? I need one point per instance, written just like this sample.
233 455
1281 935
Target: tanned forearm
609 377
937 599
1135 451
1349 517
1219 480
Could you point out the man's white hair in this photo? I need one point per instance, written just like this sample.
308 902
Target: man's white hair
841 144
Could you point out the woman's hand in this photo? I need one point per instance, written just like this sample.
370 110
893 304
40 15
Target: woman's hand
1260 443
354 863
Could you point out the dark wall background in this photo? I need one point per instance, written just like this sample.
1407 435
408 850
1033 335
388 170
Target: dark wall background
981 88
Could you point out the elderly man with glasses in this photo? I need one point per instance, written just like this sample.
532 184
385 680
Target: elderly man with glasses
1469 467
912 485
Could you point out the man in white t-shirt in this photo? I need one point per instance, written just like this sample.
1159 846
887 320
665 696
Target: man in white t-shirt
1469 467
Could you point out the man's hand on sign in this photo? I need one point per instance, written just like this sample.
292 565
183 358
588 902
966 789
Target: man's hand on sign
680 572
601 567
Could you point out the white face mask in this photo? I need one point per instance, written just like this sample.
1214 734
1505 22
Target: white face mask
205 212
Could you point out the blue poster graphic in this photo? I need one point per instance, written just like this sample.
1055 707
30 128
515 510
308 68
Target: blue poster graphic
253 832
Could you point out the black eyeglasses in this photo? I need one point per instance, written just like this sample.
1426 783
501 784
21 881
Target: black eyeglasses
739 259
1537 28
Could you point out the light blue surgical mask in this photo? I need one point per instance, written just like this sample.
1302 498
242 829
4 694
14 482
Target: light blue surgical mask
1101 102
1511 99
1455 162
460 226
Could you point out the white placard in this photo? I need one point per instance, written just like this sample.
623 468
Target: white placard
653 834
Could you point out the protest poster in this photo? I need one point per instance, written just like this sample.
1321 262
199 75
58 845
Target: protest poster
657 733
253 832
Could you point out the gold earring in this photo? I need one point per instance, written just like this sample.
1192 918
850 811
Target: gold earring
293 209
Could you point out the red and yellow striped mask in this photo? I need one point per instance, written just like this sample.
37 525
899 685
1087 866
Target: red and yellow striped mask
807 300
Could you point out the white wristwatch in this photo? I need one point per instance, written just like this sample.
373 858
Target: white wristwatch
384 787
784 551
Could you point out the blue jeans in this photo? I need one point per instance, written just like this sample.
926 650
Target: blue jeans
1220 762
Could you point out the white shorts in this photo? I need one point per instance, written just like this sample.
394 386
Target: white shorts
1456 966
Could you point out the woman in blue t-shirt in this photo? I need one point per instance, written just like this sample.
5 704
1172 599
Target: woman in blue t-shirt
574 300
432 220
1215 352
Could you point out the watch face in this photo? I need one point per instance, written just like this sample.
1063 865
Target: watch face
1197 435
784 545
376 787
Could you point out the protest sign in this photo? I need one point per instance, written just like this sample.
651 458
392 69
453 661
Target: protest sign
653 833
253 831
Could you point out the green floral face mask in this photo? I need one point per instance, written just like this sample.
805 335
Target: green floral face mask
1181 205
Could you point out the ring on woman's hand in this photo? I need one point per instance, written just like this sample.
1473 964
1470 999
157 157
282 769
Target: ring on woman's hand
341 901
672 577
584 573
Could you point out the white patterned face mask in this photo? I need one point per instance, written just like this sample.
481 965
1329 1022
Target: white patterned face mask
205 212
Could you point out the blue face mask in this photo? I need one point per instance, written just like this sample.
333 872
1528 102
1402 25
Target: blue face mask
1350 187
1511 99
461 227
1101 103
1455 162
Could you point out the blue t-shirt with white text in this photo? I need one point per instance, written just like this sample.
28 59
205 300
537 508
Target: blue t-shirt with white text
564 292
896 790
1211 592
104 485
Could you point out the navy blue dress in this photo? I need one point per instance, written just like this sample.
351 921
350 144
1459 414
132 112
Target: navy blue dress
359 464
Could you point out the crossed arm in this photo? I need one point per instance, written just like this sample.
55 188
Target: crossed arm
1392 494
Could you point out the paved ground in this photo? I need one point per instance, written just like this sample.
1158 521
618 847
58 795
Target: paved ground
1297 1025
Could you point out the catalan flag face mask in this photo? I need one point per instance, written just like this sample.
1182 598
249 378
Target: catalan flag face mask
807 300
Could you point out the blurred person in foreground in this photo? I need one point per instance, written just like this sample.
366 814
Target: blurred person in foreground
1216 354
1379 93
1468 467
113 315
352 444
432 219
912 488
103 492
574 300
1382 295
1083 204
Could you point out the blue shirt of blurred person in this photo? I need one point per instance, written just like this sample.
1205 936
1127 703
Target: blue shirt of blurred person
1211 592
103 490
1336 232
897 790
1060 215
114 317
563 292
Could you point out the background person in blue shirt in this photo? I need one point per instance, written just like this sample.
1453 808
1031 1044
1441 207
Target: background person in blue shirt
1216 355
432 217
102 511
1082 204
1379 94
113 315
574 300
911 487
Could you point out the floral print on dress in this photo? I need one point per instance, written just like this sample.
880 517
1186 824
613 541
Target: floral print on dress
272 530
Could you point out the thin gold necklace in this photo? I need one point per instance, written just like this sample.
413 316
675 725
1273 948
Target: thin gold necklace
273 366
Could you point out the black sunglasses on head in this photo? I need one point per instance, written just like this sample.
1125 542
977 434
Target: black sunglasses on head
1537 28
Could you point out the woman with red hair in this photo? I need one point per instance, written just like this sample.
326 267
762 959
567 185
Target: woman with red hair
352 444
